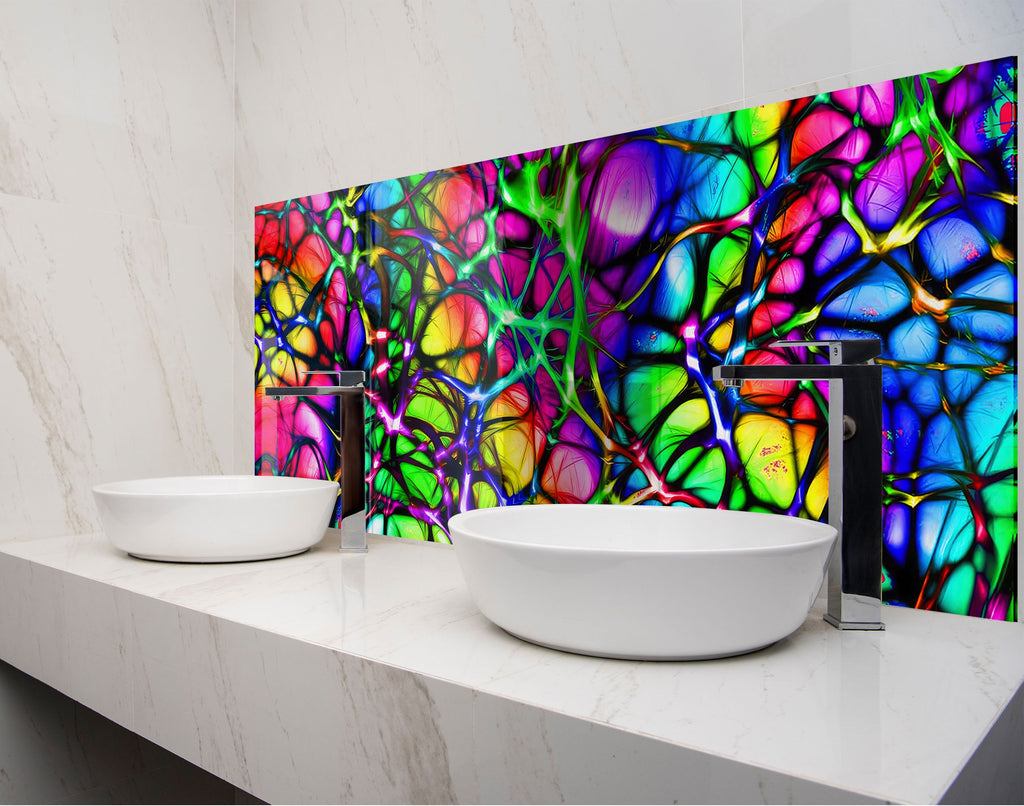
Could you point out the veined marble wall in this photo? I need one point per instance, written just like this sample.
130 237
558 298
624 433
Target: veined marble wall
115 231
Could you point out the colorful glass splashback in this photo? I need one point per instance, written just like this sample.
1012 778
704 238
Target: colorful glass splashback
541 328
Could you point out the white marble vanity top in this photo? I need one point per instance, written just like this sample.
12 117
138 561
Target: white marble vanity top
370 678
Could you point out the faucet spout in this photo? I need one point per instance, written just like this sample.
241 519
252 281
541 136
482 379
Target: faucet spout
350 382
854 586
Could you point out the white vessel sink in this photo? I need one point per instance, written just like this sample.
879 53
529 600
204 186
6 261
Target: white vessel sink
642 582
209 519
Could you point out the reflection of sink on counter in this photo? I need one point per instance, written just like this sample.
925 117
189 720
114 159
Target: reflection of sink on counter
371 678
644 582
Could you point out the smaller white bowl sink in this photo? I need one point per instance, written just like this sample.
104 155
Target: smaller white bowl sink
213 519
642 582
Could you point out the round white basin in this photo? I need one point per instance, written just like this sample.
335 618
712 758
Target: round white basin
642 582
209 519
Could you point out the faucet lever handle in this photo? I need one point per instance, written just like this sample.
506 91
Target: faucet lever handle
840 351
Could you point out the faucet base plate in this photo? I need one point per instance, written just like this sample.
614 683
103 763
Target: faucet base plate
853 625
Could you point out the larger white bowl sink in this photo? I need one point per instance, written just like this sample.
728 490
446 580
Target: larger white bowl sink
642 582
209 519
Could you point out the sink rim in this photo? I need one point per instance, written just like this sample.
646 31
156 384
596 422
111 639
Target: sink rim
813 533
144 487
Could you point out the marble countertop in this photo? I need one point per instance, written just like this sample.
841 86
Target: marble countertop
329 677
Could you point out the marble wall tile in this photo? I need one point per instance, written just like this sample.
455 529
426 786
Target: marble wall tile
120 106
802 46
390 88
938 32
430 84
114 331
807 39
115 222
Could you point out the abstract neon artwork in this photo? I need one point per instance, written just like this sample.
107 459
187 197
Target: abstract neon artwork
541 328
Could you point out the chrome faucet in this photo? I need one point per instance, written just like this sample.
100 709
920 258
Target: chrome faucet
854 587
350 384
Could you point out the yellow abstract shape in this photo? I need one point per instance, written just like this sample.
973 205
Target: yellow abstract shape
288 296
285 368
484 496
721 336
510 450
766 162
817 493
511 439
458 321
464 368
803 442
438 275
265 327
817 489
765 446
691 415
760 123
303 340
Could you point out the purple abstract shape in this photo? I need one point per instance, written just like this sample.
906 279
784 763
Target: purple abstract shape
876 103
882 194
623 201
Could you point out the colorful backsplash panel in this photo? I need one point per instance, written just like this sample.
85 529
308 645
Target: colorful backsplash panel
541 328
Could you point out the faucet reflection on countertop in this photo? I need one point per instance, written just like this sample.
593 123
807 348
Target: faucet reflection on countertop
854 587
